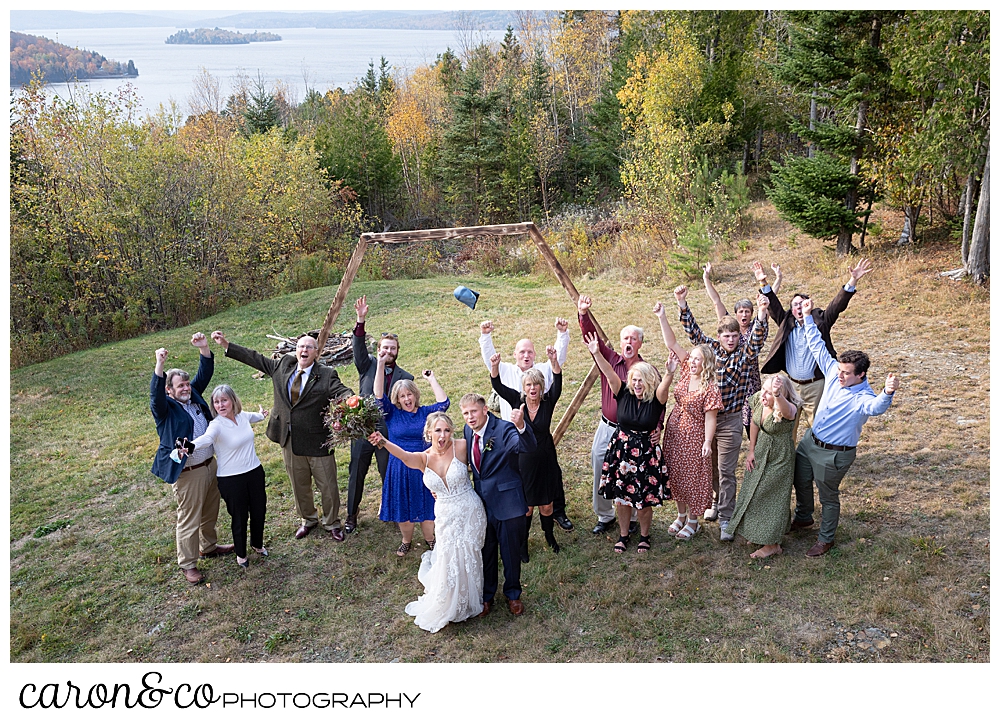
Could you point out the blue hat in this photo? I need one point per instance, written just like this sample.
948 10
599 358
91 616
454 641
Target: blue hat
467 296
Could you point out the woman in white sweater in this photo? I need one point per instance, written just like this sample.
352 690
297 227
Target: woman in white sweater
240 475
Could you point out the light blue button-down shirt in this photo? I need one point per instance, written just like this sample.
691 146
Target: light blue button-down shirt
842 411
799 362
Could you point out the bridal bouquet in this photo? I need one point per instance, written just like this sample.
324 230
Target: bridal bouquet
351 418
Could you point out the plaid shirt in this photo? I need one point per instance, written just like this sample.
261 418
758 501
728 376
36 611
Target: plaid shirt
735 369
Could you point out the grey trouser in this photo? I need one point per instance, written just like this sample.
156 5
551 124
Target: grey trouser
827 468
603 508
728 438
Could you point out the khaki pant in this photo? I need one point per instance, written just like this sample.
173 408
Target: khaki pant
726 445
301 472
811 394
197 495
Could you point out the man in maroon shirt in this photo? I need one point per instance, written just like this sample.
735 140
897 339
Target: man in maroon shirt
631 341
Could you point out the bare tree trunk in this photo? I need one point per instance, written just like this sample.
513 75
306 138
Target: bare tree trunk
979 250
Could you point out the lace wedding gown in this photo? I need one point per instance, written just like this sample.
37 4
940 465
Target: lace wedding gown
452 573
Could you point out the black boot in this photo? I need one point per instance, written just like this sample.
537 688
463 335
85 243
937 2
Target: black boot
524 540
547 529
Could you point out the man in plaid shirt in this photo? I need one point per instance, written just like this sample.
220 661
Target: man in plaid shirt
735 362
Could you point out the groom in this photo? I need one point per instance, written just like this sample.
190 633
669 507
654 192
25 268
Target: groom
493 449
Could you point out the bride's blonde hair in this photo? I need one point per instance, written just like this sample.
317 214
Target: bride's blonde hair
432 419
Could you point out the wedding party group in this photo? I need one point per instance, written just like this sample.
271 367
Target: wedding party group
473 493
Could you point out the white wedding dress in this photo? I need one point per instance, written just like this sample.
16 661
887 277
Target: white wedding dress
452 573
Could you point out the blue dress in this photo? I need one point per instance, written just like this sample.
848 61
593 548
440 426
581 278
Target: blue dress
404 496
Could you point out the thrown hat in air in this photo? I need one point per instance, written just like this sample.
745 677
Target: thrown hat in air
467 296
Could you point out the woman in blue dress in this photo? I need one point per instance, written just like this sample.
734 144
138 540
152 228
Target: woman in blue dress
405 499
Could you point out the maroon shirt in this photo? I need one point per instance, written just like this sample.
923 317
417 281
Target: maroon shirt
609 406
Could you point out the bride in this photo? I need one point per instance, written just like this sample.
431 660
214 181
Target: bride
451 573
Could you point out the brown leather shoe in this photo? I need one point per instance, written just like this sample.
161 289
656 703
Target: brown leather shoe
303 531
801 525
487 606
350 524
192 575
219 551
337 533
516 607
819 549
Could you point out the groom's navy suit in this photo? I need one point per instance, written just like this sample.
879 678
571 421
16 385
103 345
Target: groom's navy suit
498 484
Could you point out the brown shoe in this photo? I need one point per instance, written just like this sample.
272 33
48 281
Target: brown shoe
192 575
219 551
303 531
337 533
819 549
487 606
801 525
516 607
350 524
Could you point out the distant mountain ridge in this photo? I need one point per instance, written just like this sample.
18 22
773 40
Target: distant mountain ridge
373 19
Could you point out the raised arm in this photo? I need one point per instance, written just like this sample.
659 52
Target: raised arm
413 460
246 356
158 387
777 277
362 359
486 348
669 338
776 310
562 342
788 410
378 384
206 363
509 395
439 393
814 340
720 308
845 293
663 389
691 327
880 403
593 346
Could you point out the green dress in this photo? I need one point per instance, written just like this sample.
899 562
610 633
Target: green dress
762 505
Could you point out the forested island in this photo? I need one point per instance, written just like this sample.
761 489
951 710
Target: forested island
216 36
57 63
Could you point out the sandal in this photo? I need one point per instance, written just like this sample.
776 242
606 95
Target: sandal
689 530
643 545
430 543
677 525
403 548
622 544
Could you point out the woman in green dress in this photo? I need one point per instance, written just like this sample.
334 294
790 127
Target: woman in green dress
762 505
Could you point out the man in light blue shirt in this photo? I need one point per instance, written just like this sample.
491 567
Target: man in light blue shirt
828 450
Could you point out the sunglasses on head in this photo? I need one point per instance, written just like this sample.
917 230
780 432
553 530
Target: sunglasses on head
389 335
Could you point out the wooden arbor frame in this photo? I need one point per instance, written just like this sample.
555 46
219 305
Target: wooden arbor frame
438 234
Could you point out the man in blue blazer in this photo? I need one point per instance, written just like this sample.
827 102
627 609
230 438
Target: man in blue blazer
180 412
494 446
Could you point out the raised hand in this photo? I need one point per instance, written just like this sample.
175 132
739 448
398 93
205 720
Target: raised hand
807 306
763 302
219 338
680 294
561 325
658 310
758 273
776 269
550 352
891 384
707 270
777 385
161 356
495 364
486 327
427 374
583 305
593 343
361 309
672 363
383 354
517 417
863 267
199 340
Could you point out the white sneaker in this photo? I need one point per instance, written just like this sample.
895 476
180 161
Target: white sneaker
724 535
711 514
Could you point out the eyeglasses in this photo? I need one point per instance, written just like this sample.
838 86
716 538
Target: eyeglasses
304 346
389 335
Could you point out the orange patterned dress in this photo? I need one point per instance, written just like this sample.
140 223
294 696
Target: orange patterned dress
690 473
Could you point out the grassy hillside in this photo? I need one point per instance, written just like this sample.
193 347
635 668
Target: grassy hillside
94 576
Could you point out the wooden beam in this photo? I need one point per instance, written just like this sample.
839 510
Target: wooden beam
557 269
437 234
574 406
345 283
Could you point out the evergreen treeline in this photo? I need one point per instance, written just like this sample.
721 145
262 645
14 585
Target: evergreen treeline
57 63
649 130
216 36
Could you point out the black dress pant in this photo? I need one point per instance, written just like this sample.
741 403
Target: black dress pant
505 537
361 460
245 497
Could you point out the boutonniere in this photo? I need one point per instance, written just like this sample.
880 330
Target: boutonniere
488 445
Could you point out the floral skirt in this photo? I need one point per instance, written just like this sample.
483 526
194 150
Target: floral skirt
634 473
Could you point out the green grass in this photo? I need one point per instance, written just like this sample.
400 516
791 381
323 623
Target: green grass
94 577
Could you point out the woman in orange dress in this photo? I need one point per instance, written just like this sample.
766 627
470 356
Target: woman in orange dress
690 428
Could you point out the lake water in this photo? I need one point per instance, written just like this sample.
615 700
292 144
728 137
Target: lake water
324 58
